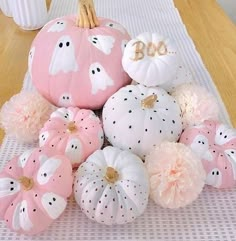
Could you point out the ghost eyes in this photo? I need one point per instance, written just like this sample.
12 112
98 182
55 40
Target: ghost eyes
65 97
61 44
53 199
217 173
22 210
98 70
60 23
201 142
66 115
111 25
74 147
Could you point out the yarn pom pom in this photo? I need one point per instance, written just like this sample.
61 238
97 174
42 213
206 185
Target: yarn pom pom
23 116
176 175
196 103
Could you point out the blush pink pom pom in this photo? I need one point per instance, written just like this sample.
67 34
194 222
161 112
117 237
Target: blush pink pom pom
24 114
176 175
196 103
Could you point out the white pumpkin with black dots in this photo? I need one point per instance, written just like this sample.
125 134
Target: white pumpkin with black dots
137 118
112 186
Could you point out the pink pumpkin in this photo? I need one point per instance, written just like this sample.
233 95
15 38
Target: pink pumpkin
33 190
215 144
73 66
74 132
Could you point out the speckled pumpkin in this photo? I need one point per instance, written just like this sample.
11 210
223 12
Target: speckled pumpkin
33 190
108 187
75 132
138 118
215 144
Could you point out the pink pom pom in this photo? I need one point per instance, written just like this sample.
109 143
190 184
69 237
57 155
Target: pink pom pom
196 103
24 115
176 175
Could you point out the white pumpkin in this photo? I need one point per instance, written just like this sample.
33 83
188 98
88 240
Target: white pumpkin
151 59
138 118
112 186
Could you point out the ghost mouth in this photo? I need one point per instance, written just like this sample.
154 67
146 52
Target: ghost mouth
26 183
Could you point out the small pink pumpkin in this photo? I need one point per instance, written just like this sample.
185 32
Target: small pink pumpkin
73 66
33 190
215 144
74 132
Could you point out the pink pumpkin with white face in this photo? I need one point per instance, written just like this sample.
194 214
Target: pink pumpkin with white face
33 190
215 144
73 66
75 132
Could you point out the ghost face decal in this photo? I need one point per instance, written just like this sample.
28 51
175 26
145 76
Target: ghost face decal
8 186
24 158
200 145
43 138
103 43
58 26
74 150
65 100
53 204
21 218
47 169
99 78
30 60
63 58
64 114
214 178
116 26
224 134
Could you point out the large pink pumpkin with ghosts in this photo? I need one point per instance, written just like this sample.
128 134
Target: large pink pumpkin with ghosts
73 66
33 190
75 132
215 144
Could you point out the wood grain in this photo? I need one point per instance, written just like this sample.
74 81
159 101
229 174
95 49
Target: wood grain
211 30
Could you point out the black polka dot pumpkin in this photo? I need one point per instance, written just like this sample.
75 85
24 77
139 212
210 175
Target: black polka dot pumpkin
108 187
138 118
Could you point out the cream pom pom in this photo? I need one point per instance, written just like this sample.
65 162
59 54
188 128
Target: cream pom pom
196 103
24 115
176 175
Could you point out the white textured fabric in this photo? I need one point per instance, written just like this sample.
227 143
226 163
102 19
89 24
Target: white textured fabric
213 216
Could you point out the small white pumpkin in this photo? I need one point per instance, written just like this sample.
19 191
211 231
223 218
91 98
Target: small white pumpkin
151 59
138 118
112 186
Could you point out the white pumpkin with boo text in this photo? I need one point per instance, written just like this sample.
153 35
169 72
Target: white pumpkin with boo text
138 118
108 187
151 59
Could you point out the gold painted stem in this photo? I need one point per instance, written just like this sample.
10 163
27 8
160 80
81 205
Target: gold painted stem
71 127
149 102
111 175
27 183
87 17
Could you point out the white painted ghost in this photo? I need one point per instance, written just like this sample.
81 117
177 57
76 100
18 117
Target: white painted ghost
63 58
123 45
74 150
102 42
200 145
214 178
24 158
231 156
58 26
30 60
116 26
64 114
224 134
21 218
8 186
47 169
99 78
43 138
53 204
65 100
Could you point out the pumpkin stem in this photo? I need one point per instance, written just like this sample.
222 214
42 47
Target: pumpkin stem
71 127
149 101
111 175
27 183
87 17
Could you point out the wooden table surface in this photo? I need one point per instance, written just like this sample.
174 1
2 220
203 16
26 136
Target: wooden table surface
211 30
